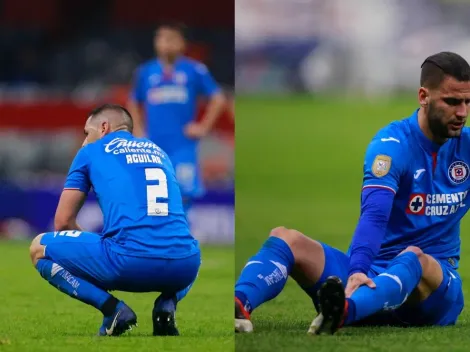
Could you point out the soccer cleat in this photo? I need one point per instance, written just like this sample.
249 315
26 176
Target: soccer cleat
242 318
163 317
122 320
333 308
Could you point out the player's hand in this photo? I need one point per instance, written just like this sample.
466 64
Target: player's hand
195 130
357 280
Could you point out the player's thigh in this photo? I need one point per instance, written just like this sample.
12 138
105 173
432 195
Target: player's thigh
154 274
442 307
80 253
336 263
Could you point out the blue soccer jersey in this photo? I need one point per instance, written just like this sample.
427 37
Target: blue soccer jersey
170 100
430 183
137 190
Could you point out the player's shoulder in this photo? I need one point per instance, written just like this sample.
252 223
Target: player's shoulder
391 141
85 149
154 145
148 66
396 133
193 65
465 135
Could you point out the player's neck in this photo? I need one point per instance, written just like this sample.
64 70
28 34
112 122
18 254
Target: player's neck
168 62
426 129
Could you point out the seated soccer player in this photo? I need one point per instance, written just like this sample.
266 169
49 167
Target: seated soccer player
146 245
401 267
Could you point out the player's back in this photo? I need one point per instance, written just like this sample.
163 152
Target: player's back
430 182
137 190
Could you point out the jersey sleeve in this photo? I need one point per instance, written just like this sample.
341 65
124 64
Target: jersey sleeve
207 84
78 177
376 207
137 92
385 162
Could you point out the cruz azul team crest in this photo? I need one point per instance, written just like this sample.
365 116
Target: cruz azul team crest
458 172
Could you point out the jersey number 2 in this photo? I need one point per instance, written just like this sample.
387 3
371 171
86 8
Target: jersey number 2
156 192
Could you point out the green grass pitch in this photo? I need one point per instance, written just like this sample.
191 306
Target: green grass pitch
34 316
299 164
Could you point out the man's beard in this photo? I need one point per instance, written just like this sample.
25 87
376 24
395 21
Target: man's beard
439 129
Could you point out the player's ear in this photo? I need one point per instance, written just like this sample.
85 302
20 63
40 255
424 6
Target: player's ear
105 128
423 96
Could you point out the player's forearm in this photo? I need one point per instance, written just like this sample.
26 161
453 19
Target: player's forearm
137 117
213 110
371 229
67 225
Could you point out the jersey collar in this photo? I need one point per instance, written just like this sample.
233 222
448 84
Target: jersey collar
117 134
424 141
178 60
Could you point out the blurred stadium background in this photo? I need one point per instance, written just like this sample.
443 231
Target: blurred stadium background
367 46
315 80
59 59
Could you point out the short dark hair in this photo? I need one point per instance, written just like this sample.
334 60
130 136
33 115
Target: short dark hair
436 67
128 122
175 26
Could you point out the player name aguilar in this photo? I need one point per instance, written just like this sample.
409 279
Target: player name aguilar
436 204
137 152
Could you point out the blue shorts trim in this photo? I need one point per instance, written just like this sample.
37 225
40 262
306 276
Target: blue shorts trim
91 257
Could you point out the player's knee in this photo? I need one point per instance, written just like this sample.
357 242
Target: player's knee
36 250
423 258
278 232
293 238
285 234
415 250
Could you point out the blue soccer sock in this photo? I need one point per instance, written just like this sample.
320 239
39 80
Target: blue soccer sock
76 287
392 288
265 274
181 294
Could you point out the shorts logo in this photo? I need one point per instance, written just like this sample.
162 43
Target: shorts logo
458 172
381 165
416 204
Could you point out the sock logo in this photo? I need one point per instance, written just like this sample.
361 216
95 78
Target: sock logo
281 267
55 269
394 278
70 279
279 274
387 307
253 262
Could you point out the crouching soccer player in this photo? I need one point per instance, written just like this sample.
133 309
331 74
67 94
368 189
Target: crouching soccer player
146 245
401 267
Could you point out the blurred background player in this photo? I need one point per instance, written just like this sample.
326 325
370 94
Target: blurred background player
164 103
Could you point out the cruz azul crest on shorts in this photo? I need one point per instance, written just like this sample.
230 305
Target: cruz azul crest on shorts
381 165
458 172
